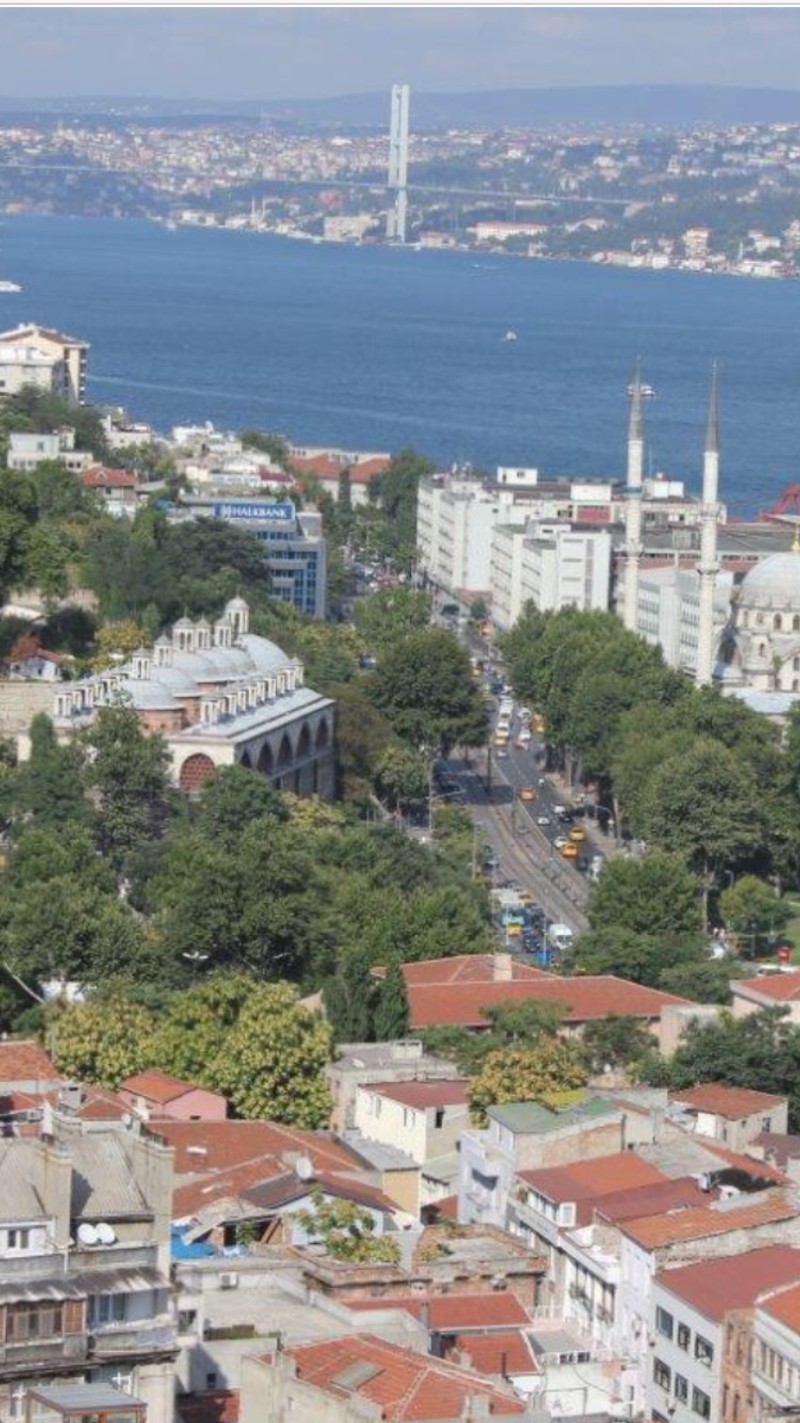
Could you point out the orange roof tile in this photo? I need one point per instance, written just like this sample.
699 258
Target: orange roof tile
202 1147
469 968
716 1286
502 1354
587 998
621 1171
406 1386
26 1062
785 1306
654 1232
776 987
158 1086
724 1101
446 1092
450 1313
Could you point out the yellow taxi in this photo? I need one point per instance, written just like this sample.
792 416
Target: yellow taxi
569 851
578 834
527 793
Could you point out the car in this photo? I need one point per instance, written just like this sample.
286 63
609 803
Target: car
560 841
501 754
526 898
543 820
577 833
568 851
527 793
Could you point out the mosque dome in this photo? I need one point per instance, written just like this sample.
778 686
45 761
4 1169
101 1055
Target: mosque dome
774 582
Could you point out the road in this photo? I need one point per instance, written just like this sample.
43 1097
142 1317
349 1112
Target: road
523 848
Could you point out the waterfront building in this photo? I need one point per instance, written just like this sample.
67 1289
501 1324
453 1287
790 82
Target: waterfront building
66 355
220 696
27 450
551 566
295 548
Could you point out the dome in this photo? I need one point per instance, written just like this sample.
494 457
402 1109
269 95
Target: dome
773 581
149 696
266 656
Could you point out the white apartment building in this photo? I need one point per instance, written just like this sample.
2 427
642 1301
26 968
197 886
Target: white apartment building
551 565
65 357
22 365
455 520
775 1356
26 450
668 612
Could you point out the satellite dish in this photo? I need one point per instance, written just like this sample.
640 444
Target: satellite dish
87 1235
105 1234
304 1168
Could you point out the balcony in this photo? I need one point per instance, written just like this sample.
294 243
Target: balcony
140 1336
50 1353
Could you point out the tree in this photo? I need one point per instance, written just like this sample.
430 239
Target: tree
347 1231
761 1051
616 1041
395 491
128 771
192 1034
704 805
71 930
392 1009
233 800
525 1022
424 687
362 735
542 1074
350 998
102 1042
273 1059
46 556
386 617
48 789
708 981
657 895
116 641
752 911
401 775
642 958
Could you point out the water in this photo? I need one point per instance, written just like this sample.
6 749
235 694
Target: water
379 348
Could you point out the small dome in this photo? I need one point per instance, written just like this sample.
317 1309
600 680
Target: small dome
183 625
775 580
237 605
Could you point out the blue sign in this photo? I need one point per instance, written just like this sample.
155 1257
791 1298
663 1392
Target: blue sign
283 513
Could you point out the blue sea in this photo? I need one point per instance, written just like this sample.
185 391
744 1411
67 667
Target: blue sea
378 348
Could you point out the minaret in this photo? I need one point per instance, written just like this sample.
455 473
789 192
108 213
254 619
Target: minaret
633 503
708 566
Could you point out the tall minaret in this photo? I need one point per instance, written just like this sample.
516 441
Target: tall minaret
633 503
708 566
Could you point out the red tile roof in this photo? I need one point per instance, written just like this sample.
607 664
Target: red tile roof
412 1304
655 1232
469 968
203 1147
785 1306
676 1195
406 1386
775 987
158 1087
587 998
716 1286
448 1314
500 1355
99 478
729 1102
26 1062
448 1092
620 1171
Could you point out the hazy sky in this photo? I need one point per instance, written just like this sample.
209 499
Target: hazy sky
300 53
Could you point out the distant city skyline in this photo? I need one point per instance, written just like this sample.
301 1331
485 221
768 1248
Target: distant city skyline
276 53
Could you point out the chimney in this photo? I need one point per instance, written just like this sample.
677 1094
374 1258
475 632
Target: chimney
502 968
53 1181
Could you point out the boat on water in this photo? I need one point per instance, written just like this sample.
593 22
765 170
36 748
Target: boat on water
646 391
10 287
511 336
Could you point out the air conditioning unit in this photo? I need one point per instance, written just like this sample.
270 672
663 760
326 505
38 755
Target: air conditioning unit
229 1281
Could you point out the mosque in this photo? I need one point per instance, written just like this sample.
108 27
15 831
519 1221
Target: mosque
220 696
737 626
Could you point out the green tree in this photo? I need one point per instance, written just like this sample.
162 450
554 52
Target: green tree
102 1042
386 617
395 492
752 911
350 998
401 775
190 1036
48 789
657 895
641 958
392 1008
542 1074
347 1231
128 772
616 1041
704 805
708 981
424 687
72 931
273 1059
232 801
761 1051
525 1023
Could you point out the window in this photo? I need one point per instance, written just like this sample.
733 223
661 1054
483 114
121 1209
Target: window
107 1309
701 1403
681 1388
662 1374
439 1119
703 1350
19 1239
684 1336
665 1324
33 1321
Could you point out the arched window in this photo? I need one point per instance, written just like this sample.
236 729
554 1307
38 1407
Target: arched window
762 649
195 771
777 622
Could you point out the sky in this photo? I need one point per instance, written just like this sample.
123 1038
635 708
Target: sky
278 53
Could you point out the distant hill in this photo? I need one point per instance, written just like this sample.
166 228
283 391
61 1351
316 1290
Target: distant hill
666 106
